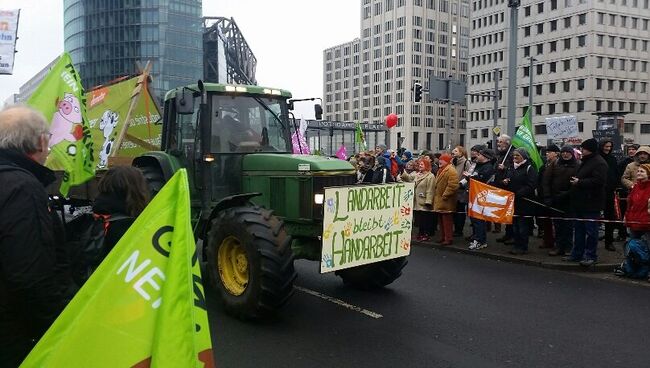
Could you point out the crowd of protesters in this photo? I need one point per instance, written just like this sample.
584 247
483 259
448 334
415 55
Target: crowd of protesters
568 198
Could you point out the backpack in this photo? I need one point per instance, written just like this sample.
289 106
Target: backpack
637 259
85 243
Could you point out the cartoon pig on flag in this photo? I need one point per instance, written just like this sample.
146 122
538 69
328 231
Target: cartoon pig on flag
67 121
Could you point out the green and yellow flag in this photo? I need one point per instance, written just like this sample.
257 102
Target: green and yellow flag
60 97
144 306
359 137
525 138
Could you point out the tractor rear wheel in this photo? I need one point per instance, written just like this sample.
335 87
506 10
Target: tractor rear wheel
374 275
250 261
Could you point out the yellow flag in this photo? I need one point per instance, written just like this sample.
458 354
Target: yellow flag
144 306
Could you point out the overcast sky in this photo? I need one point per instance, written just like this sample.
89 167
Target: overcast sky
287 37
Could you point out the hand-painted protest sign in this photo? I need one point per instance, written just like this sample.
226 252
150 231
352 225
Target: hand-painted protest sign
145 305
490 203
366 224
562 127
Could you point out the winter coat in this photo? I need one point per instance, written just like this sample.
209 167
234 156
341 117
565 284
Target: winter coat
621 170
629 176
365 178
483 171
499 175
523 182
35 285
409 178
461 164
557 183
425 185
109 204
637 207
588 195
382 175
446 187
613 176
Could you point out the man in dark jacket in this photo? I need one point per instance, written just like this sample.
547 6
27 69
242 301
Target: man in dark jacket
605 148
483 172
556 184
587 196
502 165
34 287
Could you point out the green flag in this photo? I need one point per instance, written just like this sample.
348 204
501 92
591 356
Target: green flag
60 97
525 138
359 137
144 305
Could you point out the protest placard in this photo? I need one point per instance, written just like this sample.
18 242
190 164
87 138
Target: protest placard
562 127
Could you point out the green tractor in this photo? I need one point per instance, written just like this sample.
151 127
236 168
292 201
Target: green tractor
256 206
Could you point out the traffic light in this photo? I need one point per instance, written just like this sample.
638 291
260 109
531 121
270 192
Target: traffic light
417 92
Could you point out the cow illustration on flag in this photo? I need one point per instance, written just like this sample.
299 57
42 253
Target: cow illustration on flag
490 203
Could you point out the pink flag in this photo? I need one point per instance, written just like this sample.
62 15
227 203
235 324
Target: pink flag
298 140
342 153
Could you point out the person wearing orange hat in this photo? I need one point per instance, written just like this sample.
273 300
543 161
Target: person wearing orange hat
444 202
637 217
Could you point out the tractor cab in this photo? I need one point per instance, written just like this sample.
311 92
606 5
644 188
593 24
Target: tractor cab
240 120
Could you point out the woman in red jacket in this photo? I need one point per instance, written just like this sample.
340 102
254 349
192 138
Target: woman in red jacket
637 217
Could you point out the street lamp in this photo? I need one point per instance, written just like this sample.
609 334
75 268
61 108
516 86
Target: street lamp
530 89
512 66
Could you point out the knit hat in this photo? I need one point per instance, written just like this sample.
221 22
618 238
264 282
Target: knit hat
478 148
567 149
445 157
487 153
523 153
590 145
381 147
552 148
645 167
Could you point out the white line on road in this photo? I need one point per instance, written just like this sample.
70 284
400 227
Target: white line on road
339 302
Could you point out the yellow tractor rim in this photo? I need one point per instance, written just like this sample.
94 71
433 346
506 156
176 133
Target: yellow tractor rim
233 266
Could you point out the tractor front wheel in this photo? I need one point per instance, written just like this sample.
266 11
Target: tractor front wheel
374 275
250 261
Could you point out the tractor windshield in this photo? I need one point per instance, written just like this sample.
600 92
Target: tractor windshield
247 123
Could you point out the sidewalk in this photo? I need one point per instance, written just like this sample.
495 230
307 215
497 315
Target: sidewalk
607 260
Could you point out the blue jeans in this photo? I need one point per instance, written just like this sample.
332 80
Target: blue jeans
585 239
479 230
563 234
520 232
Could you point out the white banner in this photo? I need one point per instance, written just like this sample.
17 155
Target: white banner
8 32
366 224
562 127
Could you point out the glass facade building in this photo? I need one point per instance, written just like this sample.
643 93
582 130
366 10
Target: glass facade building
107 38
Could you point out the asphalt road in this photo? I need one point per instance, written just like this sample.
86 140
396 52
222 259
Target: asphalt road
447 310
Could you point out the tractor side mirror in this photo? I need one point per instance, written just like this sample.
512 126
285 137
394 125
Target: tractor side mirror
318 111
185 102
290 105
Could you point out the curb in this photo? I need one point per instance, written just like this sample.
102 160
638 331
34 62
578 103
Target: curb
565 266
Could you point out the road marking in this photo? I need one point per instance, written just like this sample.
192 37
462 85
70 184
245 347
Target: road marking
339 302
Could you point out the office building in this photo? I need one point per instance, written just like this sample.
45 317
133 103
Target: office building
401 42
108 38
587 57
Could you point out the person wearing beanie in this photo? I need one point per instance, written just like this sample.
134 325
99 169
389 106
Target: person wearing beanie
444 202
483 172
587 196
637 217
555 187
522 181
642 156
605 148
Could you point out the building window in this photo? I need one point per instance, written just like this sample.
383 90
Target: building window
645 128
566 106
566 86
474 133
628 128
540 129
580 106
553 25
485 132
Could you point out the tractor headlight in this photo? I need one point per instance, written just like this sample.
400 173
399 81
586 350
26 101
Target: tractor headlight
319 198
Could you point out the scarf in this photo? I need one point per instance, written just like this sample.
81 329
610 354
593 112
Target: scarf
519 164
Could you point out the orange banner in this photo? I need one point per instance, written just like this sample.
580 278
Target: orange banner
490 203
